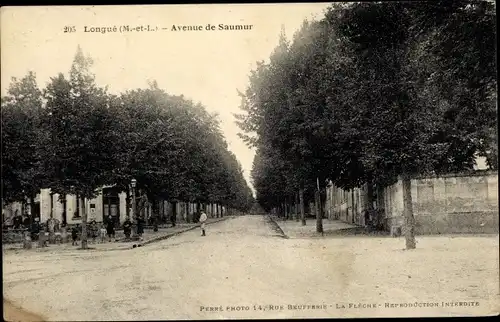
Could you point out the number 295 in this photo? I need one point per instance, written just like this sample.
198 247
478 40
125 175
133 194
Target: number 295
69 29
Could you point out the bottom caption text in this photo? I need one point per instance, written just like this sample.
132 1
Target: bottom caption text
295 307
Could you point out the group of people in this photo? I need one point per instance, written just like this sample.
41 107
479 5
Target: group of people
104 230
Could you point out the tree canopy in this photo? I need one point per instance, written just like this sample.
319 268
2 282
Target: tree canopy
373 92
74 137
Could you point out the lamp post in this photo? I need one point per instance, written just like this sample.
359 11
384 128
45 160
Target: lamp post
133 184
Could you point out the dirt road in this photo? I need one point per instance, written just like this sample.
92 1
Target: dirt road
242 269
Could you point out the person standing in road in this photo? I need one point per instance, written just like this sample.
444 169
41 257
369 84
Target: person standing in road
110 228
74 235
35 229
103 232
203 219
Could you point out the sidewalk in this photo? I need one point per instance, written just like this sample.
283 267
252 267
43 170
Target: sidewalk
148 237
294 229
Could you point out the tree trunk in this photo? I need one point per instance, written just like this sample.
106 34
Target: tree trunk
185 212
23 206
296 207
156 214
319 213
369 205
380 207
50 225
173 216
84 225
127 209
161 211
369 196
65 214
51 196
408 214
352 205
77 210
333 200
302 207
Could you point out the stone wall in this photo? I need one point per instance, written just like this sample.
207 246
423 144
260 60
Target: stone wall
456 203
448 204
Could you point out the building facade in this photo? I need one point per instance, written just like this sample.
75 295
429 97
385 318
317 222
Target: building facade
108 202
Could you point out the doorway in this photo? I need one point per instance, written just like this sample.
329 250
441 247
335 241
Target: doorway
111 206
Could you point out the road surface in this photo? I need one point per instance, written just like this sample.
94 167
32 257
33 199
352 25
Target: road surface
242 269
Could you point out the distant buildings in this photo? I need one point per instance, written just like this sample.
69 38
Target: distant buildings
109 202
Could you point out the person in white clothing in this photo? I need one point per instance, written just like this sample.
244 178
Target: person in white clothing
203 219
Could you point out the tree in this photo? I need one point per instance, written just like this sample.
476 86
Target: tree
175 149
404 112
375 92
21 175
79 150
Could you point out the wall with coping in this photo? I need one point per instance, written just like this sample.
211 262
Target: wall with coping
459 203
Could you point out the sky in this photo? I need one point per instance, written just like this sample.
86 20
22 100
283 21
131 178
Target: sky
205 66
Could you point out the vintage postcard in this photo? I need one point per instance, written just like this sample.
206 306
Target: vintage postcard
249 161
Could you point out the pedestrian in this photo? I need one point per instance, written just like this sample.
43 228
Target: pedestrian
27 222
74 234
203 219
35 229
127 227
93 229
103 233
110 228
18 220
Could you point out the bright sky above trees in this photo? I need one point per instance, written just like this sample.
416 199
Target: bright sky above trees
204 66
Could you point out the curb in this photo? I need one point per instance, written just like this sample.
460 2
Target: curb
276 227
159 238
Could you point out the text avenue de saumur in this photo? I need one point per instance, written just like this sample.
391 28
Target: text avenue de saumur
154 28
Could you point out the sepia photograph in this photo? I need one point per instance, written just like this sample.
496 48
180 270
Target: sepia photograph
249 161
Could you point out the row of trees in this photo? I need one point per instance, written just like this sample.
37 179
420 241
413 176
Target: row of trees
371 93
74 137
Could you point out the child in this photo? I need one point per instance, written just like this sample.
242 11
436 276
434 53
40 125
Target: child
203 218
103 233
